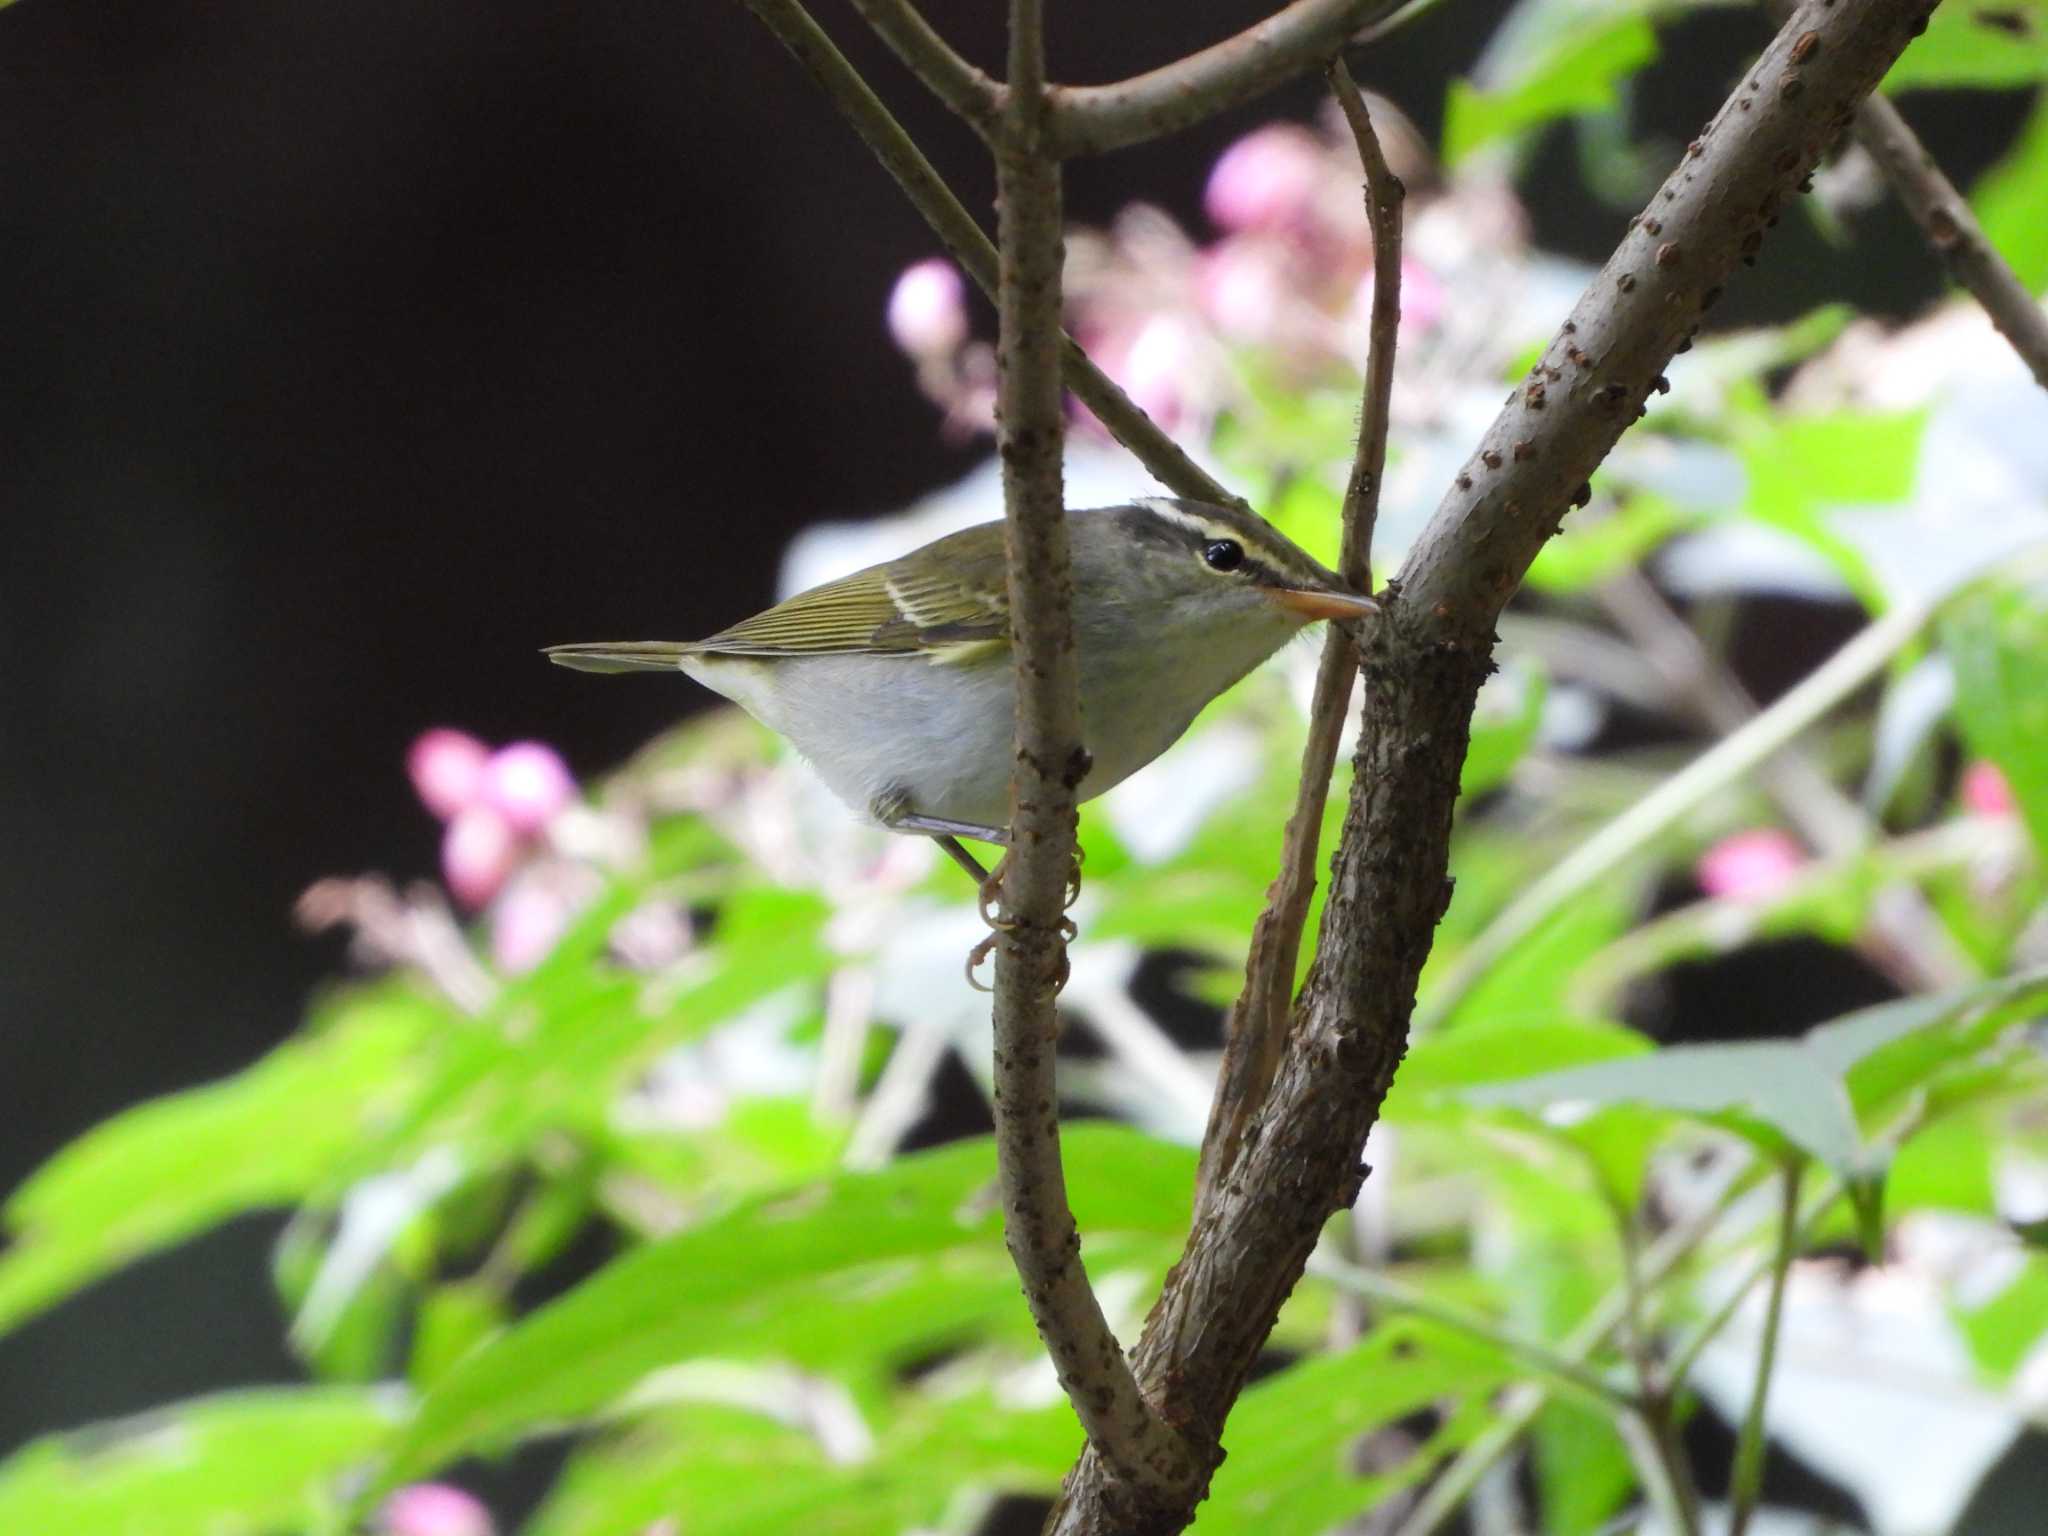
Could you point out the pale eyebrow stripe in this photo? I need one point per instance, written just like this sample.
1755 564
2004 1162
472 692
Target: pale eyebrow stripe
1201 527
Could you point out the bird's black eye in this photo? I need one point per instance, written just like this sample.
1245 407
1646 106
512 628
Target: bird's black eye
1223 555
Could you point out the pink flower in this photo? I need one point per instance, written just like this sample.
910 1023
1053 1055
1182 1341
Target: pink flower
1156 367
528 919
1750 866
1243 287
447 769
1986 791
435 1509
528 785
1422 297
478 850
1267 180
927 309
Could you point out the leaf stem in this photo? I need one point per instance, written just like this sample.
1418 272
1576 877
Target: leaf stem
1746 1480
1543 1360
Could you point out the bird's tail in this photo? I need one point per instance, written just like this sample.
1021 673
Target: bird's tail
621 655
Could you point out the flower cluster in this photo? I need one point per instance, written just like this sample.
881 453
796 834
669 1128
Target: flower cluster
496 805
1288 277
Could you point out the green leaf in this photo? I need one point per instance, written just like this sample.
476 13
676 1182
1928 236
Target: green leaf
1790 1094
453 1320
1438 1067
558 1045
1999 646
2002 45
165 1170
1582 1468
747 1279
1584 553
249 1463
1288 1467
1947 1166
2007 200
722 1471
1575 69
2003 1331
1801 467
1503 726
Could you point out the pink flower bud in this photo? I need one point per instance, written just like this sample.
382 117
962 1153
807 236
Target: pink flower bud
927 309
525 924
1986 791
435 1509
478 851
1266 180
1750 866
528 784
447 769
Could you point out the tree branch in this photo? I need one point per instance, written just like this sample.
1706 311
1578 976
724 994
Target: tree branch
1425 658
1944 217
928 56
958 231
1257 1024
1090 119
1031 955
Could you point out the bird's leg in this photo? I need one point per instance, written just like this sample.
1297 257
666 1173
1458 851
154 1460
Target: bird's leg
950 845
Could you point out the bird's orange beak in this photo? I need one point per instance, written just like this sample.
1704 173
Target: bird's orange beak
1313 604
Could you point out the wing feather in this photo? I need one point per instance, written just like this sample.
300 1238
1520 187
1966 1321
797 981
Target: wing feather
944 605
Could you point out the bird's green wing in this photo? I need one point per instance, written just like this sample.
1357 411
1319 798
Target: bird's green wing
943 604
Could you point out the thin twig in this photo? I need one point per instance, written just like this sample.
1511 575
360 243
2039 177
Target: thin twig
1257 1025
931 58
1746 1480
1148 1456
1540 1358
958 231
1090 119
1944 217
1657 1449
1425 657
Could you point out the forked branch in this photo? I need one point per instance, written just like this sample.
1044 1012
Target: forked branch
1425 658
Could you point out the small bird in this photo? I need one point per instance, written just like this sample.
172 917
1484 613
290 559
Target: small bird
896 682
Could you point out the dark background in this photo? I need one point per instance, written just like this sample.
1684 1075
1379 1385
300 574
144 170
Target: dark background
352 352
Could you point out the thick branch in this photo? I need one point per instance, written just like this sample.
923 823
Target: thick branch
1031 958
1257 1024
928 56
1090 119
971 247
1425 658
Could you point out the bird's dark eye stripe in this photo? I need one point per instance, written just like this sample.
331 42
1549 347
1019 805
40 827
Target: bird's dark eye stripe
1223 554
